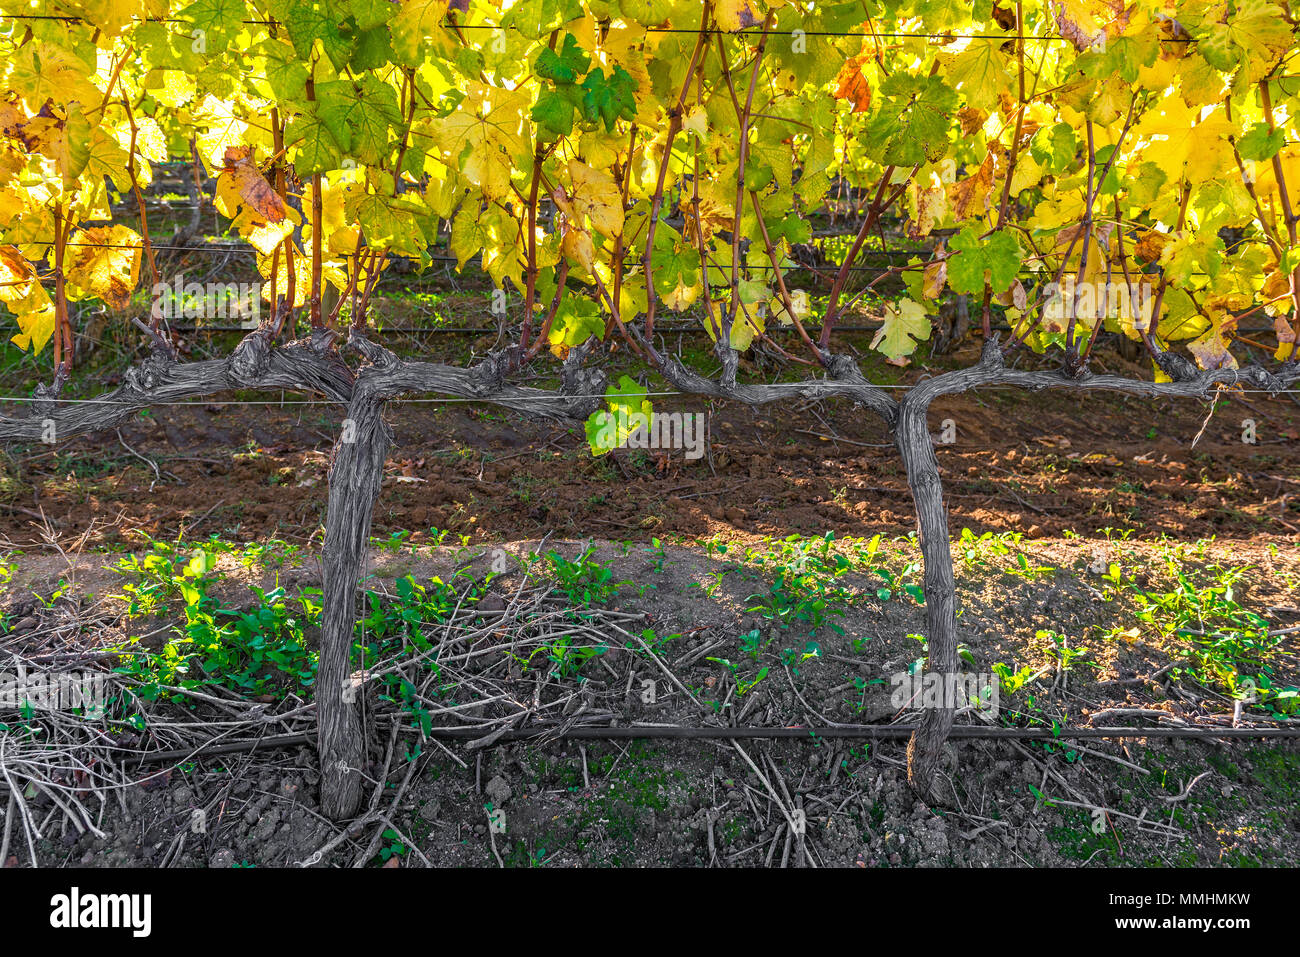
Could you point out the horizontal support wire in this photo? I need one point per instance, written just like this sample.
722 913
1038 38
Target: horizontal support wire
813 734
630 261
416 400
949 37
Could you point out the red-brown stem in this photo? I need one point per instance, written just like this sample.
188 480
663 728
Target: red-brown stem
780 282
316 221
530 282
350 292
139 201
62 336
733 303
674 126
1020 121
372 279
281 187
316 218
561 274
878 205
1149 339
1070 346
408 87
986 318
1278 174
624 175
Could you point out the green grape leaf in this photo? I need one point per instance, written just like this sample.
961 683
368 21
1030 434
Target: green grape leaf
904 325
317 140
217 20
567 65
995 260
608 99
1054 147
1260 144
311 20
913 120
374 48
553 111
576 320
629 408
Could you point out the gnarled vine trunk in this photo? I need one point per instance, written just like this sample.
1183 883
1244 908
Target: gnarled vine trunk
355 480
912 436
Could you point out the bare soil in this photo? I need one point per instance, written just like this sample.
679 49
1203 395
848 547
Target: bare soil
700 803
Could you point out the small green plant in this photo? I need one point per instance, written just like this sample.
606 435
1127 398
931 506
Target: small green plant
394 847
1012 681
1067 655
584 581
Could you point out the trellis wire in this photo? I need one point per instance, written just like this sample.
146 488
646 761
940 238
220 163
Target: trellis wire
807 734
949 37
542 397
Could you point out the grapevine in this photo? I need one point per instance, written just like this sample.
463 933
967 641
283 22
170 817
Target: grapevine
1074 167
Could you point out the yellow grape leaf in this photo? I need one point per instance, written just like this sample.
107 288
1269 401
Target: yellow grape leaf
494 234
241 178
100 156
263 236
904 326
696 121
50 73
929 206
1086 23
331 272
744 329
150 140
981 74
799 303
36 327
597 196
104 262
733 15
1181 143
1286 339
16 275
416 20
578 248
681 297
1026 174
486 138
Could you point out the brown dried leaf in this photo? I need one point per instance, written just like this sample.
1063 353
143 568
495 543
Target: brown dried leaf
971 194
971 119
851 85
1151 245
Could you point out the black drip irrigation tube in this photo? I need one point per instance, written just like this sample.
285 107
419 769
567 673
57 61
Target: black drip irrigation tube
676 732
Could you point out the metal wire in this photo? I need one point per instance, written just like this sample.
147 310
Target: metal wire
949 37
540 396
807 734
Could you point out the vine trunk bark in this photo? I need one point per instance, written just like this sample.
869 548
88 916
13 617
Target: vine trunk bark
915 446
355 480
